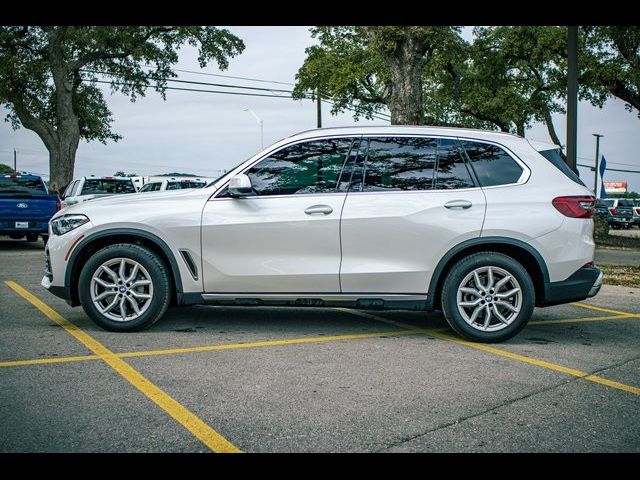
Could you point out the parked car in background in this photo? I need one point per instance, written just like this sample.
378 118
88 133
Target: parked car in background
26 206
621 210
87 188
174 183
636 212
394 217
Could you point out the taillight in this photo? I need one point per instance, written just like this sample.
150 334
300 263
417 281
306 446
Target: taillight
613 211
637 211
58 205
575 206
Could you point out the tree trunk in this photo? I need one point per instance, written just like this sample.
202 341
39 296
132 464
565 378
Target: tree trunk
405 97
62 157
548 120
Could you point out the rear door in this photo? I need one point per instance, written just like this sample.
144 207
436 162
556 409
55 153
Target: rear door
410 200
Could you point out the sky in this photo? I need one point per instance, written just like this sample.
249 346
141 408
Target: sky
204 133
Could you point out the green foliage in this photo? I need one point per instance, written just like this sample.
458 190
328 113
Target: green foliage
120 173
353 65
611 59
507 78
5 168
40 65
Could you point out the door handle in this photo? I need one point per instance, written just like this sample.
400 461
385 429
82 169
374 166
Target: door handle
458 204
318 209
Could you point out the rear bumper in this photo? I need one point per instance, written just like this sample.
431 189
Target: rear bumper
621 221
584 283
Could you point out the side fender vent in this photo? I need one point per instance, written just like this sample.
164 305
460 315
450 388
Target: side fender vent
191 265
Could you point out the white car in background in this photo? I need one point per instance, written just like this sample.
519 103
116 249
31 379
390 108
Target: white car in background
88 188
482 225
174 183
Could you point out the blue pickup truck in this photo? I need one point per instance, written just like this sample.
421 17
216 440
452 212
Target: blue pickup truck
26 206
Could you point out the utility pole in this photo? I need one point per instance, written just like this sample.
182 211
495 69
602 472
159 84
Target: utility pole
319 109
595 179
15 161
572 97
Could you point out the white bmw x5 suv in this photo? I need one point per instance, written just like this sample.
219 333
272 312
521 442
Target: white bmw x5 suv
483 225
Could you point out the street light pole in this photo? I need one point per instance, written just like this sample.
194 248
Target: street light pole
595 179
259 120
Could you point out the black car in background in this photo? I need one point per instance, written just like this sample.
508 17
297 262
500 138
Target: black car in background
619 211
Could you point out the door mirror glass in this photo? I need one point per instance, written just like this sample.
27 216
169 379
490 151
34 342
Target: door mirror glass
240 186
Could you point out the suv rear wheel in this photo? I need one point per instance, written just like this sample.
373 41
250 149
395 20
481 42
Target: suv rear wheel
488 297
124 288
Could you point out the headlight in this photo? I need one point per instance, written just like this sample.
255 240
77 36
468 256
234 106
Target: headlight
66 223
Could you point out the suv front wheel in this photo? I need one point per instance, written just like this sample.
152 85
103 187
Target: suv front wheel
488 297
124 288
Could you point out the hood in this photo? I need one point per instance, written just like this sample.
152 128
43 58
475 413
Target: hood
142 200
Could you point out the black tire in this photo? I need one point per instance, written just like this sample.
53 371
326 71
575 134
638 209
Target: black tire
615 226
45 238
467 265
32 237
159 275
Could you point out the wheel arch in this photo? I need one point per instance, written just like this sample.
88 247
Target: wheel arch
520 251
98 240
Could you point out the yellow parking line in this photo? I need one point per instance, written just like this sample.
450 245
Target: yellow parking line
268 343
504 353
601 309
583 319
44 361
213 348
540 363
182 415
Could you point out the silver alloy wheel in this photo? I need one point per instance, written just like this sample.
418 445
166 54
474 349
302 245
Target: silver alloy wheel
489 298
121 289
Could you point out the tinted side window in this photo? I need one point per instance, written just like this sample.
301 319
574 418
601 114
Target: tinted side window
452 169
493 166
311 167
400 164
557 158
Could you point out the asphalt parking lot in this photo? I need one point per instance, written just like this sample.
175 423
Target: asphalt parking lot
326 380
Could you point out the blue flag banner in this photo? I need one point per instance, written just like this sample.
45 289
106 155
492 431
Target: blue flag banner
603 167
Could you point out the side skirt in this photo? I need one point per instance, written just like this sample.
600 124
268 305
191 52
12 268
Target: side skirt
350 300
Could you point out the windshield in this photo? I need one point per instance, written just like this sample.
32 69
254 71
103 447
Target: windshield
625 203
22 185
100 186
556 157
609 203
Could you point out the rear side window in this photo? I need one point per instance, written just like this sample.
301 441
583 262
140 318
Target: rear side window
15 185
493 166
151 187
452 169
400 163
97 186
556 157
179 185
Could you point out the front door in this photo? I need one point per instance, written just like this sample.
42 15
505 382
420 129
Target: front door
410 201
286 237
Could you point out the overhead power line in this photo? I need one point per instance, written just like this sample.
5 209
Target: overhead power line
617 163
202 83
234 77
609 169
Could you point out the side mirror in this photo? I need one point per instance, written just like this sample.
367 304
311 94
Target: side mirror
240 186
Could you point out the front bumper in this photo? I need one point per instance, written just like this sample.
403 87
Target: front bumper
584 283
